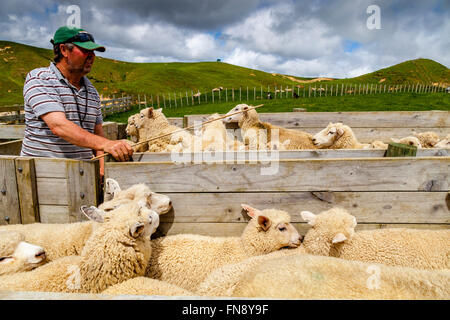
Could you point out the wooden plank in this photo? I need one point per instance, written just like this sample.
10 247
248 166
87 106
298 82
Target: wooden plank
12 131
26 185
9 197
376 119
176 121
236 229
367 207
359 174
11 148
54 214
50 167
52 191
83 187
294 154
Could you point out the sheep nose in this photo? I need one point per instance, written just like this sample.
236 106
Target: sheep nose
41 254
300 238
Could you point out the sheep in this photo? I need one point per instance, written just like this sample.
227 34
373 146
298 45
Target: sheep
186 259
317 277
427 139
337 136
411 141
60 240
152 123
444 143
146 286
214 136
222 281
16 255
117 250
116 196
377 144
421 249
257 134
133 132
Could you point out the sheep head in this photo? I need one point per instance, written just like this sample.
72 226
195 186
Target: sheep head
329 135
327 228
17 255
269 230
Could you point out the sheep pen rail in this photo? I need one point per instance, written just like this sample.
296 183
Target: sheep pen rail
380 192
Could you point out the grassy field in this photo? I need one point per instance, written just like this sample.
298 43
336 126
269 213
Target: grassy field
374 102
117 77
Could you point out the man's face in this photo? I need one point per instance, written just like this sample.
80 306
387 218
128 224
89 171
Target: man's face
80 60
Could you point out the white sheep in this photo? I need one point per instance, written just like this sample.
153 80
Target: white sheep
223 280
411 141
215 137
307 276
421 249
148 287
16 255
337 136
444 143
257 135
427 139
65 239
118 249
186 259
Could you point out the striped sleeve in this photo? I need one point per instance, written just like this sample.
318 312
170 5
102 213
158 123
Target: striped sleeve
40 95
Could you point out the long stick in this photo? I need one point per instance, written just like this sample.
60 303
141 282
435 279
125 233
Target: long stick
182 129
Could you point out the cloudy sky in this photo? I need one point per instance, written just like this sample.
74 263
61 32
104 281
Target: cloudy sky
335 38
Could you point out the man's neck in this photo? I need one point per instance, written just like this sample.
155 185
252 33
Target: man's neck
73 77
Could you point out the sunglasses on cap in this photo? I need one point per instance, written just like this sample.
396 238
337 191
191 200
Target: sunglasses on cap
81 37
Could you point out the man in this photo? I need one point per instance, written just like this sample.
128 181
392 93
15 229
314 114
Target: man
63 116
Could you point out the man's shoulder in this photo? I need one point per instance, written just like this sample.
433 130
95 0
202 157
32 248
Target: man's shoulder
41 74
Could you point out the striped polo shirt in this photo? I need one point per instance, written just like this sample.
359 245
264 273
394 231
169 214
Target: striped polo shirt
47 90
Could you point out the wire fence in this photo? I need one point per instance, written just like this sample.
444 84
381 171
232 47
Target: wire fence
177 99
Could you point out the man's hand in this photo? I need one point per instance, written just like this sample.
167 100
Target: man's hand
120 150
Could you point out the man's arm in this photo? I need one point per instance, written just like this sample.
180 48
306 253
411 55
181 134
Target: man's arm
69 131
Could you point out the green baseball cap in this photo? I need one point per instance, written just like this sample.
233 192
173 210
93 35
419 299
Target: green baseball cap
77 36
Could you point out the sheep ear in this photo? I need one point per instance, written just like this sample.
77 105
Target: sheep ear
92 213
309 217
340 237
111 189
137 229
252 212
159 110
354 222
150 112
264 222
340 131
6 259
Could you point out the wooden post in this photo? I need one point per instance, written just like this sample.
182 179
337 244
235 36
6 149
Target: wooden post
174 98
164 100
400 150
187 101
83 186
139 101
331 93
9 196
26 187
192 96
145 97
326 89
309 94
181 100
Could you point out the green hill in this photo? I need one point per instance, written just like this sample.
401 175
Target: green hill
115 77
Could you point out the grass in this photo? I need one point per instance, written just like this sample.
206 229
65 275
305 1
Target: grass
117 77
375 102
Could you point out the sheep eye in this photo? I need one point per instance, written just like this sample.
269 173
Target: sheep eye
3 258
282 229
